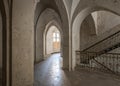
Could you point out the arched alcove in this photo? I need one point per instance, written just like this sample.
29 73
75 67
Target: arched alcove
87 31
105 24
58 13
48 18
53 40
57 25
76 28
53 36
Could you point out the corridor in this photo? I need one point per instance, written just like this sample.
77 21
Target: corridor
49 73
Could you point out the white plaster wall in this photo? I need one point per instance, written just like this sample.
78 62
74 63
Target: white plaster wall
23 43
49 41
0 41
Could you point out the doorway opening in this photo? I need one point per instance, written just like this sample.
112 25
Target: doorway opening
53 41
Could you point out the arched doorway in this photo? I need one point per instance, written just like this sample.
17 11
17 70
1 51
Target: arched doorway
45 14
53 40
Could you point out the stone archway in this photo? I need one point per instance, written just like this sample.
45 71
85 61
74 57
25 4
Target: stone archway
47 16
59 7
104 25
76 28
52 40
109 5
45 21
50 24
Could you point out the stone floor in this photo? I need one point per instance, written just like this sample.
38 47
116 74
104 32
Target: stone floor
49 73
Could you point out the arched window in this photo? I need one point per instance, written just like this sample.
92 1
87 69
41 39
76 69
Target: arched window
56 36
56 40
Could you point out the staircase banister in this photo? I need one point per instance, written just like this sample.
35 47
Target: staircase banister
101 41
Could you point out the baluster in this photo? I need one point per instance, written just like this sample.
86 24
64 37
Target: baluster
100 62
84 60
83 56
111 62
118 62
106 60
89 58
97 58
114 63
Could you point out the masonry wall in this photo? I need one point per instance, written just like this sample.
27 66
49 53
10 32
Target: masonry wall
106 24
106 21
86 32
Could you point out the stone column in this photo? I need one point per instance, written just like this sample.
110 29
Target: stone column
23 43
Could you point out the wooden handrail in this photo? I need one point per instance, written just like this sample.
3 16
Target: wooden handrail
101 41
98 53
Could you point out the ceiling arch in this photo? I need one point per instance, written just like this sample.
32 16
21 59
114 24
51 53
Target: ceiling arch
109 5
74 5
57 5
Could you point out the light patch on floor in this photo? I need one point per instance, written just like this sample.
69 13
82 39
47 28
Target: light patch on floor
50 73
